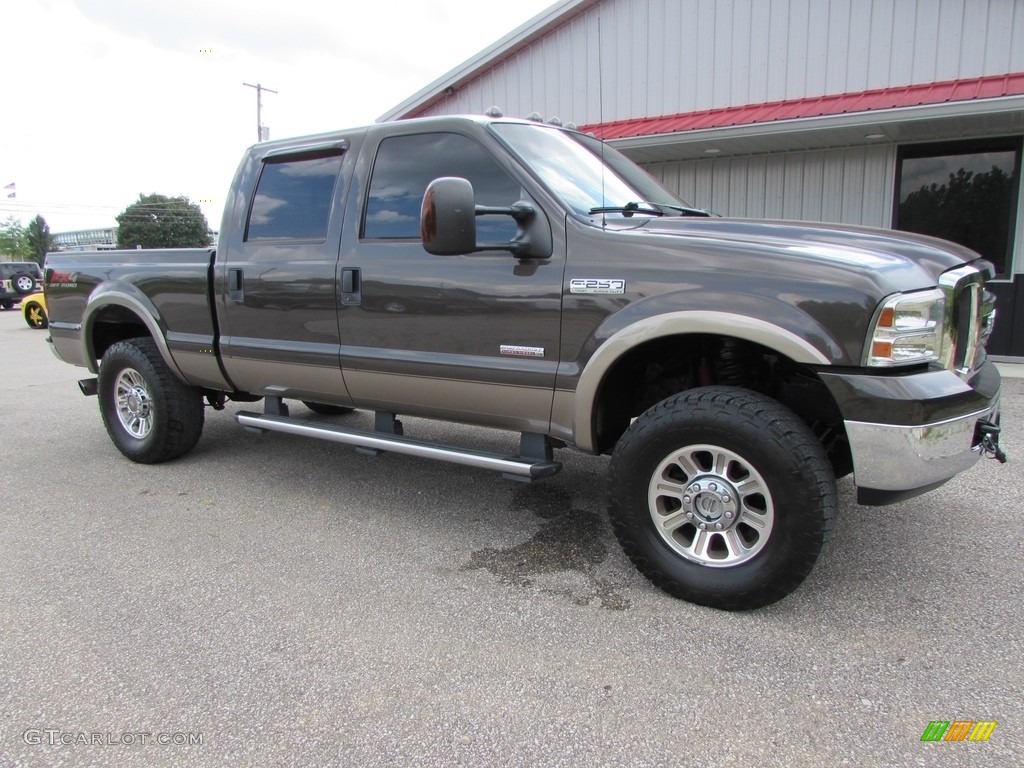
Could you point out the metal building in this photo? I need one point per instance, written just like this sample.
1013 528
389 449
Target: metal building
887 113
103 238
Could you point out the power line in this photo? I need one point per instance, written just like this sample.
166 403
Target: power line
87 207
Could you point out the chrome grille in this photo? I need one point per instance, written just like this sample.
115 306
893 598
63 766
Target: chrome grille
970 316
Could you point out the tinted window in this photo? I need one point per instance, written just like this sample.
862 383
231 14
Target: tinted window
964 192
293 199
406 164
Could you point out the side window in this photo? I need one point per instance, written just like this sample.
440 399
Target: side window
293 198
406 164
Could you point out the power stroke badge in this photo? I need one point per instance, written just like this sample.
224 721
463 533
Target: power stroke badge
601 285
516 350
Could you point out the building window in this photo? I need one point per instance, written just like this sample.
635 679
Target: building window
961 191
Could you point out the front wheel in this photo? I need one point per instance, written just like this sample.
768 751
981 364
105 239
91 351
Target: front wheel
722 497
149 413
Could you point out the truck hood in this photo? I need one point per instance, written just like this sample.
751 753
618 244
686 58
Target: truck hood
819 282
903 260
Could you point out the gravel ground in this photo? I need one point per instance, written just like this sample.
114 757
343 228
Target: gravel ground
286 602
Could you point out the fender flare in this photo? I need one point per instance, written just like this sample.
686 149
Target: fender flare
681 323
127 296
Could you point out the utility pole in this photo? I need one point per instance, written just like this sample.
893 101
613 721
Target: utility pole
260 131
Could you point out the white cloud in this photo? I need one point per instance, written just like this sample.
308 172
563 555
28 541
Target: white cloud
282 32
390 217
109 99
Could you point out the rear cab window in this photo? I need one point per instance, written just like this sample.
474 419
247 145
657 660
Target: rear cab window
293 197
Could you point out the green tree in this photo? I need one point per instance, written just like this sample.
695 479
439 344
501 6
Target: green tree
13 242
40 241
158 221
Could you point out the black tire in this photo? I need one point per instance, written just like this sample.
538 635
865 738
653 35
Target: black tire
744 467
35 315
23 283
6 304
149 413
324 409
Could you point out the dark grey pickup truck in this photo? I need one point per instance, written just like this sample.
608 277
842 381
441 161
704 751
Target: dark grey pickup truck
526 277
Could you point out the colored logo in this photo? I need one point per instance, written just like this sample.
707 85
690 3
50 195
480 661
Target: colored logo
958 730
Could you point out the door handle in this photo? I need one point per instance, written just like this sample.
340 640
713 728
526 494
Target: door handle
236 285
351 286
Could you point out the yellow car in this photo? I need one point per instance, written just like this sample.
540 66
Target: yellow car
33 309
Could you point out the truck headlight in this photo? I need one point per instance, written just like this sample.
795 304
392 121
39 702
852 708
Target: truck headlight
908 329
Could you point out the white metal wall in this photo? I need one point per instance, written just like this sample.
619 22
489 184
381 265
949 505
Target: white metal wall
845 186
625 59
849 186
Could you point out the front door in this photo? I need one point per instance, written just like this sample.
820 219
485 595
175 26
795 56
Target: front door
471 338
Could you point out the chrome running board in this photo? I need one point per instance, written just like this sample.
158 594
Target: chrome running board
512 467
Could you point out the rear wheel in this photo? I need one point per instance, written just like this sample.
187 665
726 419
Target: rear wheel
35 315
149 413
722 497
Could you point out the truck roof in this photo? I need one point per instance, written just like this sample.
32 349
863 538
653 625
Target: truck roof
326 137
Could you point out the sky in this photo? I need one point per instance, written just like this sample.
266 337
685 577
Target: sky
104 100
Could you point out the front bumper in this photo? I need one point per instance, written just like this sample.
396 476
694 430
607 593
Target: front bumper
910 434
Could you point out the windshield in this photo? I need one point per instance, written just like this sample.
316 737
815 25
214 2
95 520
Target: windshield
588 176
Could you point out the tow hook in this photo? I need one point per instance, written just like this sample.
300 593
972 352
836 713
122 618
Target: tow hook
988 444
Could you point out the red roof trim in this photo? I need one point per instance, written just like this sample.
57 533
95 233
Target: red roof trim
989 87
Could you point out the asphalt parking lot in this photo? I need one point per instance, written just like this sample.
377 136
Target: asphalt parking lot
271 600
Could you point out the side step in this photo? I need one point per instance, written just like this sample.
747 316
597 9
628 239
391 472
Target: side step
513 467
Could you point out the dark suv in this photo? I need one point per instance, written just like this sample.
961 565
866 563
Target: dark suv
18 279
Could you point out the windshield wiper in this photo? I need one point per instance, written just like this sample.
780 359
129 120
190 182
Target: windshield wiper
653 209
629 209
684 211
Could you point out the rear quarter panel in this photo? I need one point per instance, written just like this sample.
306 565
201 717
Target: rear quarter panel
166 289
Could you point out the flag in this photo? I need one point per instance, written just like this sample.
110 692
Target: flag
11 190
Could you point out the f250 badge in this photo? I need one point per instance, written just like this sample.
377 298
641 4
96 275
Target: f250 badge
603 285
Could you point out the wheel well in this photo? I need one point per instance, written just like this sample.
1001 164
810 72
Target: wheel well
663 367
113 324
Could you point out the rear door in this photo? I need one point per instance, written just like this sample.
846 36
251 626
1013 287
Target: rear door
277 277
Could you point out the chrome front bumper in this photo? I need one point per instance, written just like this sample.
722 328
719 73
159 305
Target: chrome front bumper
909 434
892 462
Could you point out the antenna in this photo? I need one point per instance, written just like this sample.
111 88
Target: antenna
262 133
600 109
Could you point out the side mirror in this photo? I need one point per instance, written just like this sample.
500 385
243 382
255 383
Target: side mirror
448 223
448 217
